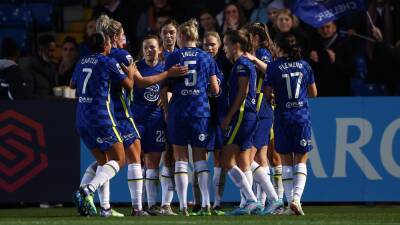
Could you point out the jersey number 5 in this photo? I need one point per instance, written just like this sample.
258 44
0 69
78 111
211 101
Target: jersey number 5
191 78
88 72
299 77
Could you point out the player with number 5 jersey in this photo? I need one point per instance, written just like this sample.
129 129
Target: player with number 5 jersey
189 112
292 81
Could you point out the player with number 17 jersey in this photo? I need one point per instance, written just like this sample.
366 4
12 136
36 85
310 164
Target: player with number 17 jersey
189 109
95 117
290 81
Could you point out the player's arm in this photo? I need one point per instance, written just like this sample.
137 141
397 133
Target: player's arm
128 82
174 71
262 66
214 87
268 93
312 90
243 90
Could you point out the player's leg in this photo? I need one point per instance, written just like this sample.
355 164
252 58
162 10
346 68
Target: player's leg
218 183
244 163
203 175
167 181
276 164
152 161
181 175
299 181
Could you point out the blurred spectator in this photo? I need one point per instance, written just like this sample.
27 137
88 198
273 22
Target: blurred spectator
69 57
231 18
149 21
333 61
385 15
90 28
260 14
126 12
14 84
42 68
286 21
247 6
272 11
207 23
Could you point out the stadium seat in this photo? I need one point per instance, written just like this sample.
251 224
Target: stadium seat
14 15
42 13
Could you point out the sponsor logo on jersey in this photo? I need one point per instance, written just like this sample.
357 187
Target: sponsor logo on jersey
108 140
190 92
152 93
85 100
290 105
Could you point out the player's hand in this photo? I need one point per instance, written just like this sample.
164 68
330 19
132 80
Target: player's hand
249 56
332 55
130 69
225 123
314 56
178 71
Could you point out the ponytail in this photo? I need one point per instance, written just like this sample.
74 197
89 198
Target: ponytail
242 37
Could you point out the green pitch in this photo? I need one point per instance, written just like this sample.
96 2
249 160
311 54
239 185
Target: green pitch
323 215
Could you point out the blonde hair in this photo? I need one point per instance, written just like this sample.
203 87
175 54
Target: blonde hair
190 29
213 34
108 26
288 13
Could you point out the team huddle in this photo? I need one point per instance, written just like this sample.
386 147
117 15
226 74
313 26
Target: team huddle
147 113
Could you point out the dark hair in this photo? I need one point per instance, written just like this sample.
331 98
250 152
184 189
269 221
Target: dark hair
9 48
169 21
261 30
242 17
45 40
97 42
152 36
72 40
206 11
242 37
293 50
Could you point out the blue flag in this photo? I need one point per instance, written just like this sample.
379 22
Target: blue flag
318 12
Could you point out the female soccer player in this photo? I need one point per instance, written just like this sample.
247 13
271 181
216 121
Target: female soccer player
291 79
168 37
261 43
189 111
240 122
123 113
212 44
96 123
149 116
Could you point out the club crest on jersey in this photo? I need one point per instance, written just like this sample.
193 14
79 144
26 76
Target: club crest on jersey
202 137
151 93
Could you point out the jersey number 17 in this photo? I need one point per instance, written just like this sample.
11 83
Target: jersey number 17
299 77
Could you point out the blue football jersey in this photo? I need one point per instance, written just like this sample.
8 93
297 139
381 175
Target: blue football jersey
189 93
93 76
290 80
243 67
119 96
167 53
218 105
145 99
264 108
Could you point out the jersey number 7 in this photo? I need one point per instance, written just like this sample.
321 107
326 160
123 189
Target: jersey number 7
88 72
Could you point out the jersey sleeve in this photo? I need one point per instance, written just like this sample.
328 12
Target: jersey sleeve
127 59
116 72
171 60
264 55
242 70
213 68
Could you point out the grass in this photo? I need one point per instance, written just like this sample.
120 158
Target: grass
324 215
